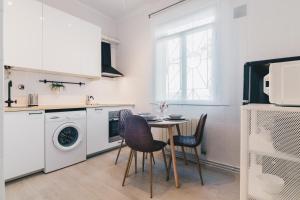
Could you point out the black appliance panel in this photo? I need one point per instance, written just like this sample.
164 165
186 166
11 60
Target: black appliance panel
114 133
254 73
106 54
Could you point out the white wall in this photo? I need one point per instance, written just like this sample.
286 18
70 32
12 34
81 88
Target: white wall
273 29
105 90
1 105
222 130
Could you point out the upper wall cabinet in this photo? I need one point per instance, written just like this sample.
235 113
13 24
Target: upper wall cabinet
23 33
70 44
90 49
40 37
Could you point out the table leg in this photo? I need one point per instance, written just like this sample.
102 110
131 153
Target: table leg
182 148
172 148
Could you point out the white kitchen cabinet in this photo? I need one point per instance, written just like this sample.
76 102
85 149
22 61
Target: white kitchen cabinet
97 130
70 44
90 47
23 33
270 154
42 38
23 143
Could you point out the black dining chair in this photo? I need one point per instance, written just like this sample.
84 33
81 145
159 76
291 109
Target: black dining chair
191 142
138 138
123 114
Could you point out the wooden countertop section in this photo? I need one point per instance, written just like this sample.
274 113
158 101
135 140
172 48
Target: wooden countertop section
52 107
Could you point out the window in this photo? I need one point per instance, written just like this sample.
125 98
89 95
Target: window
184 59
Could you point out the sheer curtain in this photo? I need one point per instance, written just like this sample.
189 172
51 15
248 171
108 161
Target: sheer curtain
189 68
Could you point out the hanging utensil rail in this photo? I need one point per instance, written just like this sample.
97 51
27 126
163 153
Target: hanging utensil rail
62 82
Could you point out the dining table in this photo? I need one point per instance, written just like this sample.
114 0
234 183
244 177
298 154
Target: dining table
169 124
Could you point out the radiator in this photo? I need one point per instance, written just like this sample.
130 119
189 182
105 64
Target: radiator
186 129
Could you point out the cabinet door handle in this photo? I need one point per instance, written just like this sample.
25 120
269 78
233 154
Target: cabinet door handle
39 113
98 109
55 117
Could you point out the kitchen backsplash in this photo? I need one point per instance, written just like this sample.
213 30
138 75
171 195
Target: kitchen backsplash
104 90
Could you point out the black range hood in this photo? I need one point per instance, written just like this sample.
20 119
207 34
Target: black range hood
107 69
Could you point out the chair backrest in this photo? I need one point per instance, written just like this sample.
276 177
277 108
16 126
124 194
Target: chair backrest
200 129
138 134
123 114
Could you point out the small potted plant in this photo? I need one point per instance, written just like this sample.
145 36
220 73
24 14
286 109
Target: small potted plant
57 87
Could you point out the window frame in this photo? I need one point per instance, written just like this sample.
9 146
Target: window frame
182 36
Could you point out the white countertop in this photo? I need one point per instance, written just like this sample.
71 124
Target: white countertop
51 107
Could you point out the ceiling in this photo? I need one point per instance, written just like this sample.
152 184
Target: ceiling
115 8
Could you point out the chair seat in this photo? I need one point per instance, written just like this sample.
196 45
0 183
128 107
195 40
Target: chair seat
158 145
186 141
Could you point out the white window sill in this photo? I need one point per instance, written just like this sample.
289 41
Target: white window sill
193 104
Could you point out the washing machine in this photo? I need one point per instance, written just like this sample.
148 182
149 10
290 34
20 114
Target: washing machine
65 138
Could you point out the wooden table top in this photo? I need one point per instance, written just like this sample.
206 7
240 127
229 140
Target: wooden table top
166 123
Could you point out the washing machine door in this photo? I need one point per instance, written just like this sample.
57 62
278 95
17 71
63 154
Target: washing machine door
67 137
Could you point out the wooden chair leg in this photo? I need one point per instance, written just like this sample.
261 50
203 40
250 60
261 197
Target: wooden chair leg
143 168
165 161
128 166
119 151
135 161
169 168
199 166
184 156
151 159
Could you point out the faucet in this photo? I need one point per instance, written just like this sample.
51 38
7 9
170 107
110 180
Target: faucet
9 101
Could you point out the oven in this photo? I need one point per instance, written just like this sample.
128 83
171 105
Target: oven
114 134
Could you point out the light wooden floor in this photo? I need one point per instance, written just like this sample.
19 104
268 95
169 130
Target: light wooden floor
99 179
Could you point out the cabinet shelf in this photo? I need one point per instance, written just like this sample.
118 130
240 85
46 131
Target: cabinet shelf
256 192
260 145
256 186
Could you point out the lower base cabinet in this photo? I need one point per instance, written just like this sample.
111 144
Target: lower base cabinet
24 139
23 143
98 129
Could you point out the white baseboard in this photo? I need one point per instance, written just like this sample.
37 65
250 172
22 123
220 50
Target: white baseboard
191 158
